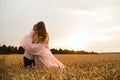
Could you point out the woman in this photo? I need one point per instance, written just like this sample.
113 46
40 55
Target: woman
36 43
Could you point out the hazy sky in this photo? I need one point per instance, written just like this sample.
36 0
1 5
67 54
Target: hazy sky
91 25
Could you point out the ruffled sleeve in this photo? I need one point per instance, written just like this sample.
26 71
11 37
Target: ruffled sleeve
27 44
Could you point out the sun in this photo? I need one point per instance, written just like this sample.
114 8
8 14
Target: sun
74 41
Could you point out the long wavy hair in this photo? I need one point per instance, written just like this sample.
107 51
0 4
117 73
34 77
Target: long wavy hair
40 31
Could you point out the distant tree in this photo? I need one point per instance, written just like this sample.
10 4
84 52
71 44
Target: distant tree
4 49
60 51
12 49
15 49
54 51
20 50
0 49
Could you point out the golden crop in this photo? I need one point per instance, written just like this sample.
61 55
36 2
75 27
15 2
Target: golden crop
78 67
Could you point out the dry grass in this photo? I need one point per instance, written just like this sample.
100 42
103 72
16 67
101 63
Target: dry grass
78 67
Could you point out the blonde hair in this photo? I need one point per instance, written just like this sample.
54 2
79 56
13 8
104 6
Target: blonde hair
40 32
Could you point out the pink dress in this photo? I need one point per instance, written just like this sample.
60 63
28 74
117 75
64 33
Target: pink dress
42 51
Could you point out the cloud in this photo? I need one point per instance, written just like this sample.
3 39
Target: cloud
110 30
76 11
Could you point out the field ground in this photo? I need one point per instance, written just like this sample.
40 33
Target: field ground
78 67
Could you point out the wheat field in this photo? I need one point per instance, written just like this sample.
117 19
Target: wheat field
78 67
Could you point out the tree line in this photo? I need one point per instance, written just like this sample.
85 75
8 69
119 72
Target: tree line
11 50
20 50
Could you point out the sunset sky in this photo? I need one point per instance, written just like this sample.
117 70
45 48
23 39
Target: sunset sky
90 25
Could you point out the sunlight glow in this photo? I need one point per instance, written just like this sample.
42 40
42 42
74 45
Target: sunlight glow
78 41
74 42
